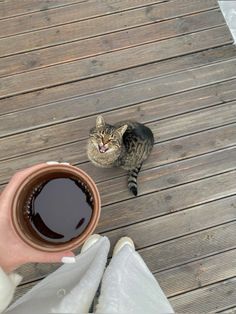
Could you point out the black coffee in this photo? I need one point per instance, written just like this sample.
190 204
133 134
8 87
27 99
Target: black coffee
60 209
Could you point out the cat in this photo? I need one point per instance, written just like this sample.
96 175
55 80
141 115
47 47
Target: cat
125 144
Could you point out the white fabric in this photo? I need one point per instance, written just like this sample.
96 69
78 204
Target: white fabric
228 9
127 287
71 288
8 285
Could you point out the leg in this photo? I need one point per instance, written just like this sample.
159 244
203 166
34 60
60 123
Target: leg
129 287
72 287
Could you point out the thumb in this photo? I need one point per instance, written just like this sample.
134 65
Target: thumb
59 257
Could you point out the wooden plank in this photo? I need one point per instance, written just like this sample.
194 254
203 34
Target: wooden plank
190 248
177 224
207 300
110 42
170 175
198 274
62 133
131 94
167 152
101 25
164 255
167 201
92 85
202 118
167 176
15 7
81 69
73 131
82 10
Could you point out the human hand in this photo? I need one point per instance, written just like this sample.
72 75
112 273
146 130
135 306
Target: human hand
13 251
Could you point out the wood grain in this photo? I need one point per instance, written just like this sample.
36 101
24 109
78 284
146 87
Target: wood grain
95 84
132 94
204 300
74 131
190 248
110 42
80 10
81 69
101 25
201 119
198 274
14 8
177 224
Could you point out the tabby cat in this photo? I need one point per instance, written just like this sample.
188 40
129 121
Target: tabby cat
125 144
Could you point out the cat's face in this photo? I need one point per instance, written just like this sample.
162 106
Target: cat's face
106 138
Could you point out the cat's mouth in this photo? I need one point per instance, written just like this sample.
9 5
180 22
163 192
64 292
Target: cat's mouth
102 148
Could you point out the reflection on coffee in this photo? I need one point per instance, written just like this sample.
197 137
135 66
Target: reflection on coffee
59 209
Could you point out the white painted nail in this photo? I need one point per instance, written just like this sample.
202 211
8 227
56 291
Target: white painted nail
52 162
65 163
68 259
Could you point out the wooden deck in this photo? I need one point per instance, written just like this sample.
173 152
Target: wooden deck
169 64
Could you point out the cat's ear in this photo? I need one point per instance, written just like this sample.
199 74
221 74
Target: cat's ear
121 130
100 123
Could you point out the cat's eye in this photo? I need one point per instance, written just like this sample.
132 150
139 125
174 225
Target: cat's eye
95 136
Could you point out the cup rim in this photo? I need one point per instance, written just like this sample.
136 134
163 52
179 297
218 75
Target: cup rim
77 241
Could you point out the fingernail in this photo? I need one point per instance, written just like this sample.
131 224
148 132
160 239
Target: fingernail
68 259
65 163
52 162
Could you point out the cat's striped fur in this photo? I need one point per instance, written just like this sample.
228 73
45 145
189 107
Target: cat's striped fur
125 144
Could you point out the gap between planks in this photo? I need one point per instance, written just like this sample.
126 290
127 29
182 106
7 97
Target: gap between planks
118 41
116 79
132 94
99 26
24 9
48 137
81 69
75 12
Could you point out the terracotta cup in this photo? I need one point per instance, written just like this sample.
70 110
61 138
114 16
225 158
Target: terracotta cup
21 224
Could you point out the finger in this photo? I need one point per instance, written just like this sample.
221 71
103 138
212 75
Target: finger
19 177
53 257
26 172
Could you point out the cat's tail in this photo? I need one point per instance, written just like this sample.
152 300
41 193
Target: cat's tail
132 180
